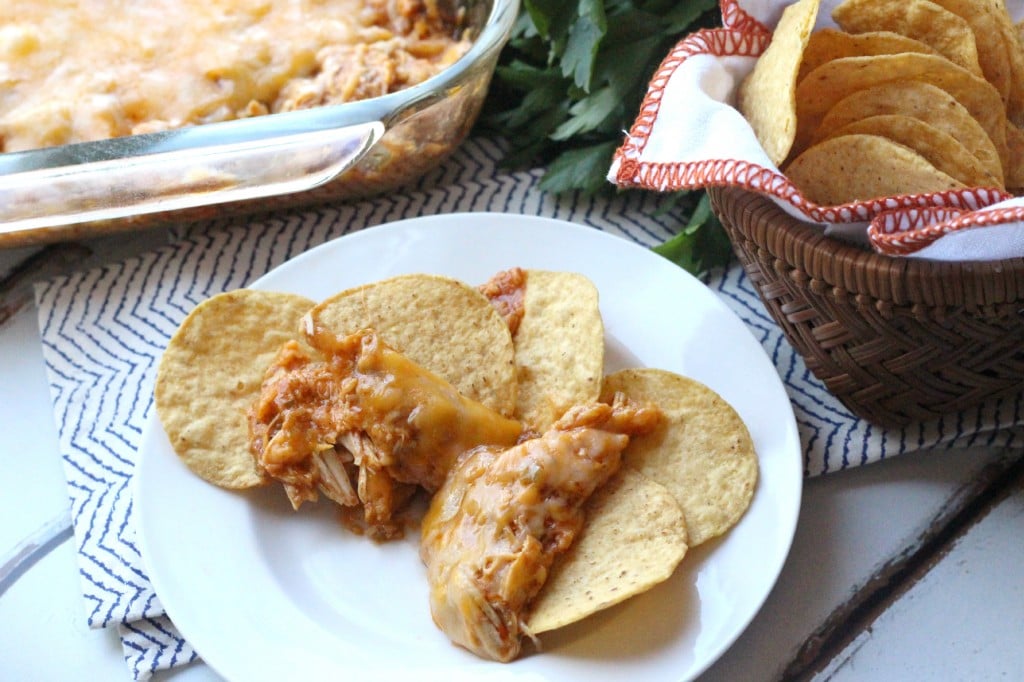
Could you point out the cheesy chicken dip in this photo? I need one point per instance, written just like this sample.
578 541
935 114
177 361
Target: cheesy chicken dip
82 70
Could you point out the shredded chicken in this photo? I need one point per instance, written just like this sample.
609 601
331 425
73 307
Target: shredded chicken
503 515
364 425
506 291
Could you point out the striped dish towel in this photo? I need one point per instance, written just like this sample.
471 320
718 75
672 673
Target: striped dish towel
103 331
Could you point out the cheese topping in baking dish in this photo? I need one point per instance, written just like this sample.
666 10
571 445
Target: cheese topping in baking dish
81 70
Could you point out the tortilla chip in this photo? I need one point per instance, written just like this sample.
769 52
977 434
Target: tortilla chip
634 538
939 148
861 167
923 20
212 371
989 22
703 453
824 87
1015 173
1013 42
438 322
559 346
829 43
922 101
766 98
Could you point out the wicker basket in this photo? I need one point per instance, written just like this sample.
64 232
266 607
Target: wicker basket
897 340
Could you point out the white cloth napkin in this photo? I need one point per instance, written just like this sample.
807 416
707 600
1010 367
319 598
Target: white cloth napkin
688 135
103 331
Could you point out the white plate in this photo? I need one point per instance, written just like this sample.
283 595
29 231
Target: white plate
263 592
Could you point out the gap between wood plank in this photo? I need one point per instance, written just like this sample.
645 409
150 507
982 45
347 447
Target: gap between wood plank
968 505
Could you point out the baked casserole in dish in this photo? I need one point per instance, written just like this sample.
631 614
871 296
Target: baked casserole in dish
120 115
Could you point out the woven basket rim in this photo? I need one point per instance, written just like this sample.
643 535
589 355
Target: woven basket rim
859 271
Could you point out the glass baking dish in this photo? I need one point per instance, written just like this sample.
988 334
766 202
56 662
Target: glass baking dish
335 152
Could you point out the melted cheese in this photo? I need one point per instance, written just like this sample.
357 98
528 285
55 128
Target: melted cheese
395 422
79 70
420 421
502 516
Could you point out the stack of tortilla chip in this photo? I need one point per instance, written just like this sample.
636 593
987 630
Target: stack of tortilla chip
904 97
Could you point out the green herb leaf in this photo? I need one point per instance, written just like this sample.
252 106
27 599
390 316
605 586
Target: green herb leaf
589 113
583 169
584 39
702 244
571 80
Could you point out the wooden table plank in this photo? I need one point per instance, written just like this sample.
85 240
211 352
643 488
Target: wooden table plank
962 618
854 526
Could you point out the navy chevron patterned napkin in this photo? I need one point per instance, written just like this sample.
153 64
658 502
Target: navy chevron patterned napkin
103 331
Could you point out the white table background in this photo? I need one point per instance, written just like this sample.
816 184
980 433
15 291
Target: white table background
910 569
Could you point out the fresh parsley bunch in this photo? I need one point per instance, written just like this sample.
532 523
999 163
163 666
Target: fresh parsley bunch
571 80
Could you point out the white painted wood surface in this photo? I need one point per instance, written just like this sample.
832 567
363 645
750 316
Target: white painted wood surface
963 620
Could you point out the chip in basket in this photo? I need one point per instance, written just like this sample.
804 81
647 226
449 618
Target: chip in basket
921 101
767 96
824 87
999 52
841 168
940 149
829 43
940 82
923 20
